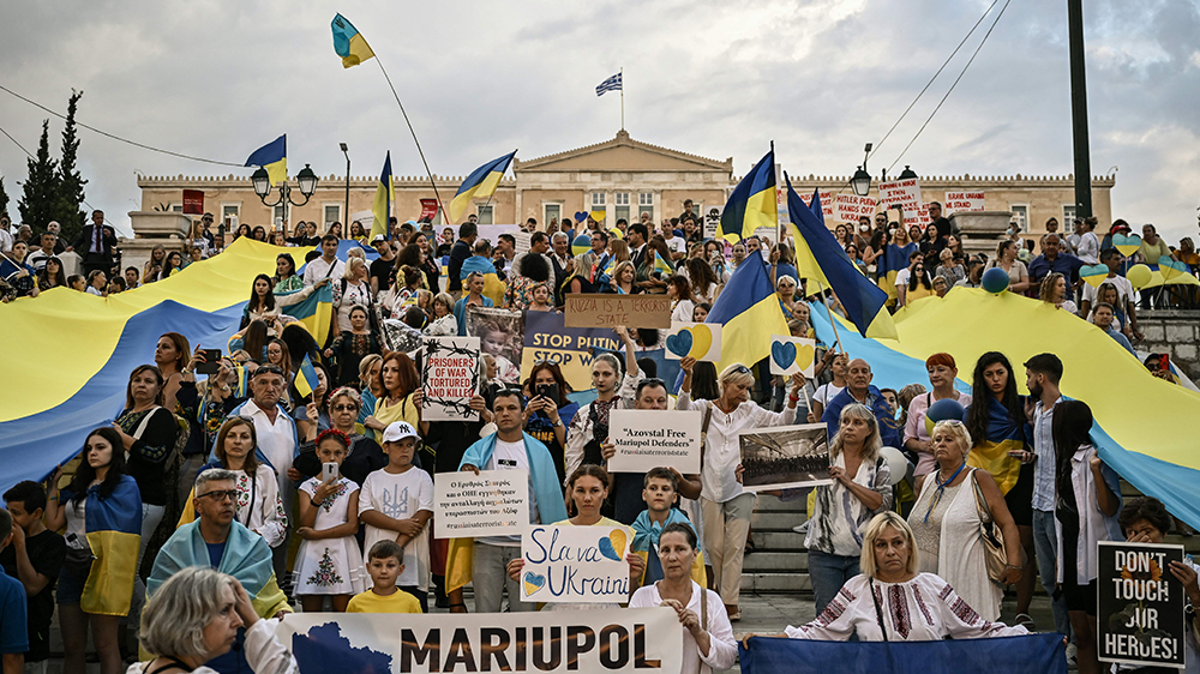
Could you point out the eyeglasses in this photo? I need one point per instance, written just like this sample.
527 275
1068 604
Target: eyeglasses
219 496
345 408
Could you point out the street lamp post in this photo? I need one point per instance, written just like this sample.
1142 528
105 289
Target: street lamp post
262 187
346 215
861 182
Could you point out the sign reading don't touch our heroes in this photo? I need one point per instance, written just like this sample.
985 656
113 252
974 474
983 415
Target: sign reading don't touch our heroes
1140 605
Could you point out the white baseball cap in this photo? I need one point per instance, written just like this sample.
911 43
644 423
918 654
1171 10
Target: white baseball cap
397 431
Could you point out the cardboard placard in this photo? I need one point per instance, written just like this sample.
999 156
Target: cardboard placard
712 220
827 203
904 193
790 355
648 439
963 202
1140 605
701 341
575 564
587 310
785 457
493 503
851 207
193 202
450 377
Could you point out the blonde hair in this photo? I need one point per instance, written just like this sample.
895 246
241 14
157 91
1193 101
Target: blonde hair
352 265
735 374
621 265
871 444
956 429
365 365
174 619
1046 291
887 518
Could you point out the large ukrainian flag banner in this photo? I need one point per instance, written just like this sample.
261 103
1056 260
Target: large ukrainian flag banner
481 184
752 203
273 157
889 265
493 287
349 43
114 534
749 313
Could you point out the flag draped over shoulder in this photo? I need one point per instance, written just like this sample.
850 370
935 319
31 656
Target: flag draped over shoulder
889 264
273 157
819 256
752 203
315 313
481 184
349 43
749 313
1004 434
493 287
114 534
382 208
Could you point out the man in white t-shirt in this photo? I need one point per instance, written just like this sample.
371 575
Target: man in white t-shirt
328 265
827 392
675 244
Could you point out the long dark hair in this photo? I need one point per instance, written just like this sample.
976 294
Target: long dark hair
300 343
85 473
978 418
555 371
268 300
1071 429
704 382
255 339
291 266
921 278
44 278
586 470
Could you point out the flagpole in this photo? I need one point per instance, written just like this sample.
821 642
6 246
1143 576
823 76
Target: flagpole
621 71
832 319
414 136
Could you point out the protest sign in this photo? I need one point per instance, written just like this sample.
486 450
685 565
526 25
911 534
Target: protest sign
547 338
963 202
790 355
827 204
701 341
603 640
501 334
575 564
712 220
785 457
493 503
1140 605
521 238
904 193
647 439
588 310
450 377
851 207
193 202
429 209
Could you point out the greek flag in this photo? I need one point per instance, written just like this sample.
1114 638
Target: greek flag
611 84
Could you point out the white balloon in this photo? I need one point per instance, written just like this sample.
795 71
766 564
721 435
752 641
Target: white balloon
896 463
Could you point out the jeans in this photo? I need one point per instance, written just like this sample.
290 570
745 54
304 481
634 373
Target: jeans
1045 544
828 574
490 579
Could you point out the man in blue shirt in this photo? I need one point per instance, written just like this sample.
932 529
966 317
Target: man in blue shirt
1053 259
1102 316
859 390
14 635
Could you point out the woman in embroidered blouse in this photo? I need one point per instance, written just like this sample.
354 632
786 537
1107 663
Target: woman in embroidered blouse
354 343
892 601
258 505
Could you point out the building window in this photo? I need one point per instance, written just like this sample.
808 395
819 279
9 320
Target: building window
231 211
598 199
278 215
1021 215
646 204
485 215
551 213
176 208
333 213
1068 217
621 199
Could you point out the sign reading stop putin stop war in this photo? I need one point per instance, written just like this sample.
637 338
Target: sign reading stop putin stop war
1140 605
609 311
492 503
963 202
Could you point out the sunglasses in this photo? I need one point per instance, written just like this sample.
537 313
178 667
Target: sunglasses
741 369
344 408
268 369
219 495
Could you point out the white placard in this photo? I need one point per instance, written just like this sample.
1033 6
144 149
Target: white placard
450 377
790 355
647 439
963 202
575 564
827 204
904 193
522 241
712 220
851 207
493 503
701 341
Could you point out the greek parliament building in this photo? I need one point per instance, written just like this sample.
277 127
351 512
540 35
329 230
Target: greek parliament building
622 176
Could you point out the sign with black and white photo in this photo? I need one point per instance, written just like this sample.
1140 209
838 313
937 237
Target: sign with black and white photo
785 457
646 439
1140 605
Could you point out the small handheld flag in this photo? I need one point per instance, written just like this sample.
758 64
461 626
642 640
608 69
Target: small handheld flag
349 43
273 157
611 84
661 265
306 378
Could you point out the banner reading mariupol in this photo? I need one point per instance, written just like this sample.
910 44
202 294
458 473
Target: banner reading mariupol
1140 605
646 640
492 503
450 375
575 564
646 439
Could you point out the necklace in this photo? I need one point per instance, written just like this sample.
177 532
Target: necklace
941 488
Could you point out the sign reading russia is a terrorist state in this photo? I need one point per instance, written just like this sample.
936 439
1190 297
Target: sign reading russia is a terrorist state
647 640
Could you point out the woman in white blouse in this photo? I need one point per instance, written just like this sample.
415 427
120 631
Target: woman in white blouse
725 506
444 324
258 506
892 601
708 641
353 290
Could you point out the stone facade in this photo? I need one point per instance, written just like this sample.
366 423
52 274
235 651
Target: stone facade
1176 332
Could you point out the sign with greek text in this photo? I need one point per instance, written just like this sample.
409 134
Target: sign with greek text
828 211
588 310
575 564
1140 604
646 439
963 202
450 375
493 503
193 202
609 641
904 193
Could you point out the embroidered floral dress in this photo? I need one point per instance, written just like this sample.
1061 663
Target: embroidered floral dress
330 565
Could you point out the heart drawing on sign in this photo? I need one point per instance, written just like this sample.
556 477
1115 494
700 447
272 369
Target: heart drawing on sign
1094 274
701 341
533 582
784 354
804 356
680 343
580 216
617 538
606 548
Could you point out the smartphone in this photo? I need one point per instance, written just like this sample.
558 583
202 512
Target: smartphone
548 391
329 472
212 362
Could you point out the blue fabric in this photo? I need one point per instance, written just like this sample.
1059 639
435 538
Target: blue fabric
1031 654
1045 547
460 312
542 474
14 633
889 428
646 533
828 573
246 557
1067 265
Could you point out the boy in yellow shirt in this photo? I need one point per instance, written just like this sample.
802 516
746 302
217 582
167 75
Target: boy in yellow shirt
385 564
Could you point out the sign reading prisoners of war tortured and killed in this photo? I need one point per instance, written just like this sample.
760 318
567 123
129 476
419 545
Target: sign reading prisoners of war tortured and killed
492 503
450 376
1140 605
646 439
609 311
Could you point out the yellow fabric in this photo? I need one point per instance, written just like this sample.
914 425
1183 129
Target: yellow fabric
270 599
277 172
109 586
57 321
369 602
380 209
359 51
404 410
806 263
742 338
460 560
993 457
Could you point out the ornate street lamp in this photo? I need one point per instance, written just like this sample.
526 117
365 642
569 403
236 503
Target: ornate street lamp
861 182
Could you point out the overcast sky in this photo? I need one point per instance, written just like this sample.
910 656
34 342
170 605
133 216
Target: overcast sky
819 77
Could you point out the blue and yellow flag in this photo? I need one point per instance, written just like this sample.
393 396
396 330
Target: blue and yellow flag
382 208
749 312
664 266
306 378
752 204
888 266
481 184
273 157
1004 434
493 287
581 244
349 43
315 313
815 205
114 534
865 302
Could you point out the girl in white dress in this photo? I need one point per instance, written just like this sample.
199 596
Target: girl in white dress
329 561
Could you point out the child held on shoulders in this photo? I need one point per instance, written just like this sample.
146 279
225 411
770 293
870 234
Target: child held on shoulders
385 563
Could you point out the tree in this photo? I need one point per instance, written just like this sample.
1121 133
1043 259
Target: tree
39 192
70 181
3 197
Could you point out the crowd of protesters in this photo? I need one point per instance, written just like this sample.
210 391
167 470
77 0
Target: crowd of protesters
231 468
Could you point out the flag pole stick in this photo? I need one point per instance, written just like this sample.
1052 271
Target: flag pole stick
622 73
832 318
414 136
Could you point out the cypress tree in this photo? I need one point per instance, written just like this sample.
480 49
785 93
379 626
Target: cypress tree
39 192
71 182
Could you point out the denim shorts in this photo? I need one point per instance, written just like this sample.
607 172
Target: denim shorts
70 584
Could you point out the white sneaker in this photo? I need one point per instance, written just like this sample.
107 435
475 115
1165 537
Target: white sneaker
801 528
1071 651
